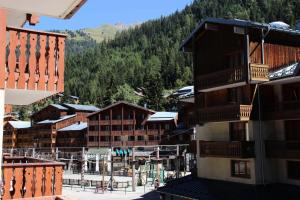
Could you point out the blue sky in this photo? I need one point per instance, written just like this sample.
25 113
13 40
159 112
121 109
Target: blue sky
98 12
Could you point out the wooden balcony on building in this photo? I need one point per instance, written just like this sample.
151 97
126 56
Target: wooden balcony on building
224 149
117 143
259 73
224 113
283 149
104 143
232 77
34 65
152 142
32 178
282 110
228 78
152 132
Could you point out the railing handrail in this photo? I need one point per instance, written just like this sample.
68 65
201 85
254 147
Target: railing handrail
219 72
35 31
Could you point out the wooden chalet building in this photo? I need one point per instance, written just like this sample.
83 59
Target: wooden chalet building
11 131
247 96
52 125
125 125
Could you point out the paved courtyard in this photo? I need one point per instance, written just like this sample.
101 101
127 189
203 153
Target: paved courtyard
78 193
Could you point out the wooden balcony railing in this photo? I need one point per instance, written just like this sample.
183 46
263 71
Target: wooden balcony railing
153 142
35 60
236 149
259 72
31 178
221 78
283 149
117 143
225 113
282 110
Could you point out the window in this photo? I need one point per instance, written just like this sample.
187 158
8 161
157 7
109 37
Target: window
105 128
237 131
131 138
117 138
93 128
167 126
91 138
105 138
117 128
140 138
106 117
293 170
240 168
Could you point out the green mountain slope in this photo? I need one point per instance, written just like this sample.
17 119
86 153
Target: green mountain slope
146 54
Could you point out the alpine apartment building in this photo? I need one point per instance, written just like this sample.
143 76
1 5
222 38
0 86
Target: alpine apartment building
125 125
247 96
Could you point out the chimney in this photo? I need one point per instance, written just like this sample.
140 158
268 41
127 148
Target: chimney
145 105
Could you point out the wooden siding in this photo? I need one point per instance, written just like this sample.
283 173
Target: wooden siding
276 55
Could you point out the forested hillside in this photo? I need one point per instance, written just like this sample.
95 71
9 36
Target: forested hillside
148 55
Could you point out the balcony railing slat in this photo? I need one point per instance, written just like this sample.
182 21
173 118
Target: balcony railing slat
22 60
32 61
48 181
61 63
18 175
12 59
38 184
51 63
8 175
42 63
58 180
29 182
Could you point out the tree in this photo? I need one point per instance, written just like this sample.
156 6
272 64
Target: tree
125 93
153 92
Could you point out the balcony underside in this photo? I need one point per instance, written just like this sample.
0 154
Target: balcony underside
224 149
25 97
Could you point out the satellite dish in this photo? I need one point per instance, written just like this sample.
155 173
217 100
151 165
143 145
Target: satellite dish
280 24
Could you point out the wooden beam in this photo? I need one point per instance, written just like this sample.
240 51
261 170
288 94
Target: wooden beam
32 19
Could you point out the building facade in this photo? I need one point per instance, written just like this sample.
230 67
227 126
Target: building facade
247 101
125 125
56 126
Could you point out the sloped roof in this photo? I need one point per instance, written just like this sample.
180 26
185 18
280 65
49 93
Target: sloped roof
75 127
123 102
163 116
58 106
286 71
80 107
20 124
236 22
50 121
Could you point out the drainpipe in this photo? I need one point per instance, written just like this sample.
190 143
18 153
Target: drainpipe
262 152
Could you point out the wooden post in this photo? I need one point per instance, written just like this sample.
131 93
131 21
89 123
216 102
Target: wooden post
133 169
82 166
